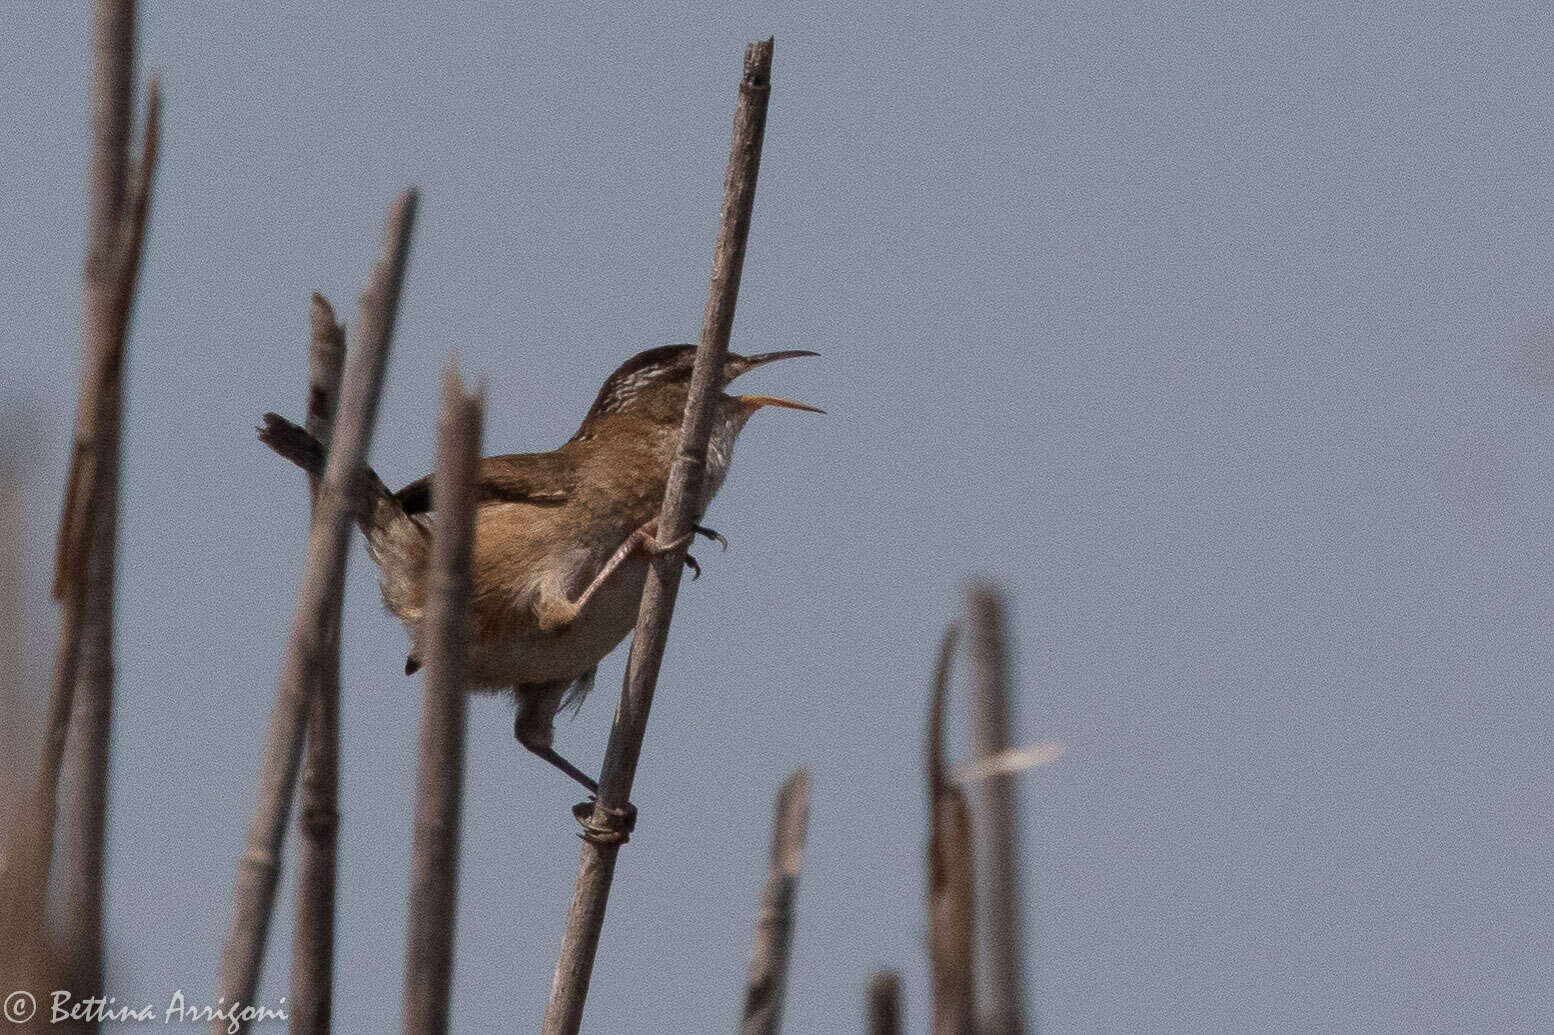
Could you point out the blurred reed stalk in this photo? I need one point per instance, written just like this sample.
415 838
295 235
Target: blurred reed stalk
30 961
608 826
79 711
768 976
951 891
1003 1006
323 582
434 860
318 813
884 1004
18 452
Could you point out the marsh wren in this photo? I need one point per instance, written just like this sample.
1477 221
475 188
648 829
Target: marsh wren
562 539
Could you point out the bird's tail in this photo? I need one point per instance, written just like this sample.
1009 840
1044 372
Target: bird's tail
396 540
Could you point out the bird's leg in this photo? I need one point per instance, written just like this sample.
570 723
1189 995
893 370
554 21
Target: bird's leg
534 726
559 614
533 729
550 755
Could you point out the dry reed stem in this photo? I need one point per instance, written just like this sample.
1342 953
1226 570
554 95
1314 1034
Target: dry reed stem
951 896
884 1004
80 698
84 562
768 976
323 580
604 831
434 859
1003 1006
29 962
18 453
91 719
112 107
318 814
683 502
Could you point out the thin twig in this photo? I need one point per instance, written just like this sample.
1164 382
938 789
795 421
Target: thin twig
323 579
434 859
318 812
1003 1006
884 1016
605 830
951 902
768 977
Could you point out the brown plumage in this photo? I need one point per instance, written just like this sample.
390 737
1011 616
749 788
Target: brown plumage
548 525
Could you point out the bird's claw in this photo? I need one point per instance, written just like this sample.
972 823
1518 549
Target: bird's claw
715 536
690 562
625 819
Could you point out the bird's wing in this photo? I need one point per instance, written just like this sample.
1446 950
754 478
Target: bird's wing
540 479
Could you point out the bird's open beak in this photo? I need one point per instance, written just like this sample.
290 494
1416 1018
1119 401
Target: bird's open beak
755 402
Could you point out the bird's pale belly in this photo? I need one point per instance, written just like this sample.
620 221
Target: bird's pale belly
528 655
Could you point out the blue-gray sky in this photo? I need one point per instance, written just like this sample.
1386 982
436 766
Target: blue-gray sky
1220 332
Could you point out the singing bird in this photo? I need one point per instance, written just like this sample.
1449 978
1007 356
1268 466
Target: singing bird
562 539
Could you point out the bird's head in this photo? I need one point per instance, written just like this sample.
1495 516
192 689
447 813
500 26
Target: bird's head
654 385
